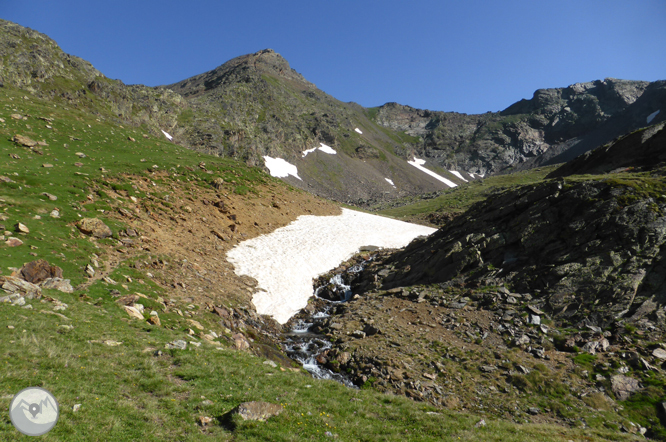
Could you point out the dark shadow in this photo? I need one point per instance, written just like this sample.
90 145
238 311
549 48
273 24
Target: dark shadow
226 421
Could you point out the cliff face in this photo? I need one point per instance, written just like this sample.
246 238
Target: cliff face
554 126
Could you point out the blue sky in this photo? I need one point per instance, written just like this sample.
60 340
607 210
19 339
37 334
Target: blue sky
466 56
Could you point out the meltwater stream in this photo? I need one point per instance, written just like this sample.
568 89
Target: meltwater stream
304 346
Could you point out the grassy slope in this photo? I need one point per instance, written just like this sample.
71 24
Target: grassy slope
125 391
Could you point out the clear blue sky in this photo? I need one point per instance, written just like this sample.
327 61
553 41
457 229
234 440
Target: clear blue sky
465 56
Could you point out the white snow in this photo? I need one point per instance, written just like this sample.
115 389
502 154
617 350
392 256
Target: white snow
652 115
459 175
306 152
167 135
358 130
327 149
324 148
471 174
390 182
285 261
280 168
418 163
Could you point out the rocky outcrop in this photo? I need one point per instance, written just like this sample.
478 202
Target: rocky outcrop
554 126
591 249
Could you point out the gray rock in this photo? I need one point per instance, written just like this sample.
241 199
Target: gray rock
488 368
258 411
659 353
271 363
624 386
535 320
533 411
178 344
63 285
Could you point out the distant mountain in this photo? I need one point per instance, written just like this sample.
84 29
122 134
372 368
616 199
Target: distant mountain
555 126
256 108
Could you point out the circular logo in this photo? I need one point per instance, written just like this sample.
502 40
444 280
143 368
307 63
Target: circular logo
34 411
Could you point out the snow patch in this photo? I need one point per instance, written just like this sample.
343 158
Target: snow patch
418 163
471 174
459 175
358 130
169 137
280 168
327 149
285 261
390 182
324 148
652 115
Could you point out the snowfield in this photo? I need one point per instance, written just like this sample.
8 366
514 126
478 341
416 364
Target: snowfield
285 261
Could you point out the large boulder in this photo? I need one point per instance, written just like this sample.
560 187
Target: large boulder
624 386
39 271
258 411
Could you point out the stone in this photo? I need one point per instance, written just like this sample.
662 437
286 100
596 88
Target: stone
218 183
39 271
535 320
258 411
128 299
133 312
624 386
590 347
24 141
203 420
240 342
94 227
533 411
271 363
481 423
90 271
177 344
13 284
14 242
76 408
154 320
196 324
488 368
344 357
430 376
195 344
55 214
659 353
50 196
522 340
22 228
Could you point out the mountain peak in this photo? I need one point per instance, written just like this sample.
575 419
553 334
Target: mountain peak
244 68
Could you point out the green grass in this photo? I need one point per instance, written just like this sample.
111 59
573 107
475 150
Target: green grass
462 197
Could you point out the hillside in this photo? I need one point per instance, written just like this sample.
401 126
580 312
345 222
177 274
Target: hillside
555 126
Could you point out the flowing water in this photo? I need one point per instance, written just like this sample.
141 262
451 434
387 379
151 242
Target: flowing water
304 346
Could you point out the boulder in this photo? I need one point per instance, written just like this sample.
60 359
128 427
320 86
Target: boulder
94 227
14 242
24 141
39 271
133 312
178 344
12 284
624 386
63 285
258 411
240 342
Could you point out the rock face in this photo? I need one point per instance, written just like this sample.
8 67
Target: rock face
555 126
624 386
591 249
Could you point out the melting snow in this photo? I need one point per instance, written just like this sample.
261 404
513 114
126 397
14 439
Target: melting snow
167 135
285 261
280 168
458 174
419 165
471 174
390 182
652 115
324 148
358 130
